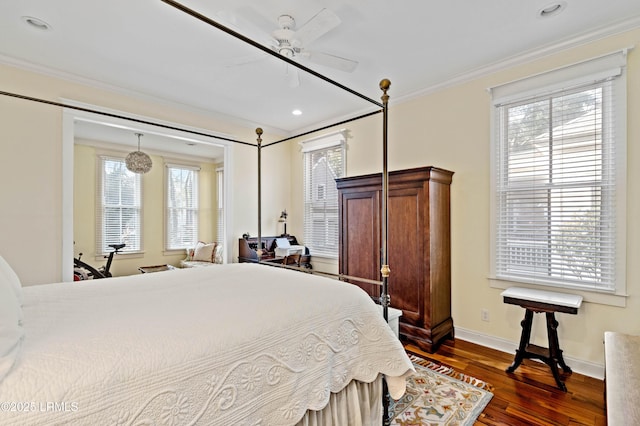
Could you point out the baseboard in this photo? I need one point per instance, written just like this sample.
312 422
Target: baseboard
586 368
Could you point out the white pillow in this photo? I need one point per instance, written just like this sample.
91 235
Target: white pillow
217 254
11 330
282 243
6 272
204 252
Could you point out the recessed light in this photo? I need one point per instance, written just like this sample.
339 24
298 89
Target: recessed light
296 112
36 23
552 9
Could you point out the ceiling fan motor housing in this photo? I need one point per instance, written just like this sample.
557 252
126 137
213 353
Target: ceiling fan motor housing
286 22
287 44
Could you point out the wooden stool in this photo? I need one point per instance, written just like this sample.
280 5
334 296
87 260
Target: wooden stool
537 301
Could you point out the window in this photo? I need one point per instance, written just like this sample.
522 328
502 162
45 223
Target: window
182 206
559 178
324 162
119 197
220 181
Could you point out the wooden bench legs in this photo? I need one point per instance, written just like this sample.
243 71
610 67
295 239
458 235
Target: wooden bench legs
552 356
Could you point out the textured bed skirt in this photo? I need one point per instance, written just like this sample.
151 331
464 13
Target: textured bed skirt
357 404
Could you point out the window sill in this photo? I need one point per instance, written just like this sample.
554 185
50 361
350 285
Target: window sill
324 258
610 299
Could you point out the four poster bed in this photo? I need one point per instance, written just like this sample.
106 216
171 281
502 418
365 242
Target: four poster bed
239 344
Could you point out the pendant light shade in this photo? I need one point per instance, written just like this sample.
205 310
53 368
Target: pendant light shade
138 161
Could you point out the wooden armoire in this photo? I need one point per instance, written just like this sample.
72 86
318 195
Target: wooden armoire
419 246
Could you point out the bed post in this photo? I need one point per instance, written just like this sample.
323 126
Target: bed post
259 248
385 299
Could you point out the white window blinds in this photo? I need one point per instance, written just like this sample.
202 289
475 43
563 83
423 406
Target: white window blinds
220 182
557 185
182 206
119 203
324 162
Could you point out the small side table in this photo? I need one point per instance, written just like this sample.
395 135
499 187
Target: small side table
537 301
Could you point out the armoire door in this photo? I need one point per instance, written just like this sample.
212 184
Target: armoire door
406 253
360 246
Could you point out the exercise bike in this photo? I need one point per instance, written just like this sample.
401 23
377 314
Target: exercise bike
83 271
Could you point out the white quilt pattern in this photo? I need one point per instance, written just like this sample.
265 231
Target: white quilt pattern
238 344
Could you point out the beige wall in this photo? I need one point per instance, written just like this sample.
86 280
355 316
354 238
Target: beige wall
448 129
84 212
276 182
451 129
31 169
30 176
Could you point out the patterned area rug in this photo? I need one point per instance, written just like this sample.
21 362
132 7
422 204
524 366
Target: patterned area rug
438 395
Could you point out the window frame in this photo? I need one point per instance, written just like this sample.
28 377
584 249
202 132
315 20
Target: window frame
610 67
101 248
335 140
220 220
169 165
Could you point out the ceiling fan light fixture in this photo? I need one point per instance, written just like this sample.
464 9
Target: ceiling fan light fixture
552 9
138 161
286 51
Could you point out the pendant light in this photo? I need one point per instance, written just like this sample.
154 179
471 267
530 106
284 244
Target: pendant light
138 161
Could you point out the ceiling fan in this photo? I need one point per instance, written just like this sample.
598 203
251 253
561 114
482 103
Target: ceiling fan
292 42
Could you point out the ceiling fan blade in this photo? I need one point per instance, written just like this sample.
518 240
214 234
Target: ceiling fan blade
342 64
292 76
245 27
323 22
242 60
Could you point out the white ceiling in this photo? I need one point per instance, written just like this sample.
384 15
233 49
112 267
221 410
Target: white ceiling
149 48
123 137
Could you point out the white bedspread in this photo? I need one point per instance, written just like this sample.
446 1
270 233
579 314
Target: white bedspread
239 344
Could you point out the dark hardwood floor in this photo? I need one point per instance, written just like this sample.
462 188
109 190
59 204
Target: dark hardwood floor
529 395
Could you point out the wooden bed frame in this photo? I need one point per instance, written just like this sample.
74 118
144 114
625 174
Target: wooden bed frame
383 105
